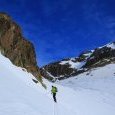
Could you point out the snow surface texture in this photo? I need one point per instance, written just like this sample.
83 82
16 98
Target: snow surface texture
94 90
91 94
76 65
110 45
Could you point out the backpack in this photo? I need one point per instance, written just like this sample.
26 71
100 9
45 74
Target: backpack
56 89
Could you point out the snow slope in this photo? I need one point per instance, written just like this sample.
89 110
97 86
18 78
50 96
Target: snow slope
87 95
94 90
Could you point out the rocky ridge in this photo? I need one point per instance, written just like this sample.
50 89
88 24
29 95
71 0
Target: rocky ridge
14 46
85 61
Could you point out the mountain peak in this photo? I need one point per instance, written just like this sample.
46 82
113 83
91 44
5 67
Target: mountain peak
87 60
109 45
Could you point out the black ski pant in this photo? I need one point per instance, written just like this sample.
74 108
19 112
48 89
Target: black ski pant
54 97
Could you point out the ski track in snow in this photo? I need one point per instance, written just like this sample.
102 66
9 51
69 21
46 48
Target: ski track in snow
91 94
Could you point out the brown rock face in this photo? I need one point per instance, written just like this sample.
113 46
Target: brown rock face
15 47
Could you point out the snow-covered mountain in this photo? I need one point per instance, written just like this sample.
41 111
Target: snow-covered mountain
85 61
90 93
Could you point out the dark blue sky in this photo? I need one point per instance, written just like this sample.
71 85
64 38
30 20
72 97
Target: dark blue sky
63 28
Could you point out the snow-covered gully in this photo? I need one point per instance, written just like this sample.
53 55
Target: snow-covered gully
86 94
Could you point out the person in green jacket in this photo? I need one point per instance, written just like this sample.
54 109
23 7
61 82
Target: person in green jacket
54 91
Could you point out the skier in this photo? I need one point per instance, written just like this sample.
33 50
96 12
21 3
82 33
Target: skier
54 91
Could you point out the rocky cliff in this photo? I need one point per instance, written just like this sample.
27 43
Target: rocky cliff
15 47
85 61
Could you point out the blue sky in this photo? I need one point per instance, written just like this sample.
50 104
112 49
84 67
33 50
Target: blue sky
63 28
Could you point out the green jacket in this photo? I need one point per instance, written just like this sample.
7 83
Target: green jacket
54 89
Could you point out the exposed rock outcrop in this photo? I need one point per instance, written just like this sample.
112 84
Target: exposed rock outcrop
102 56
15 47
85 61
